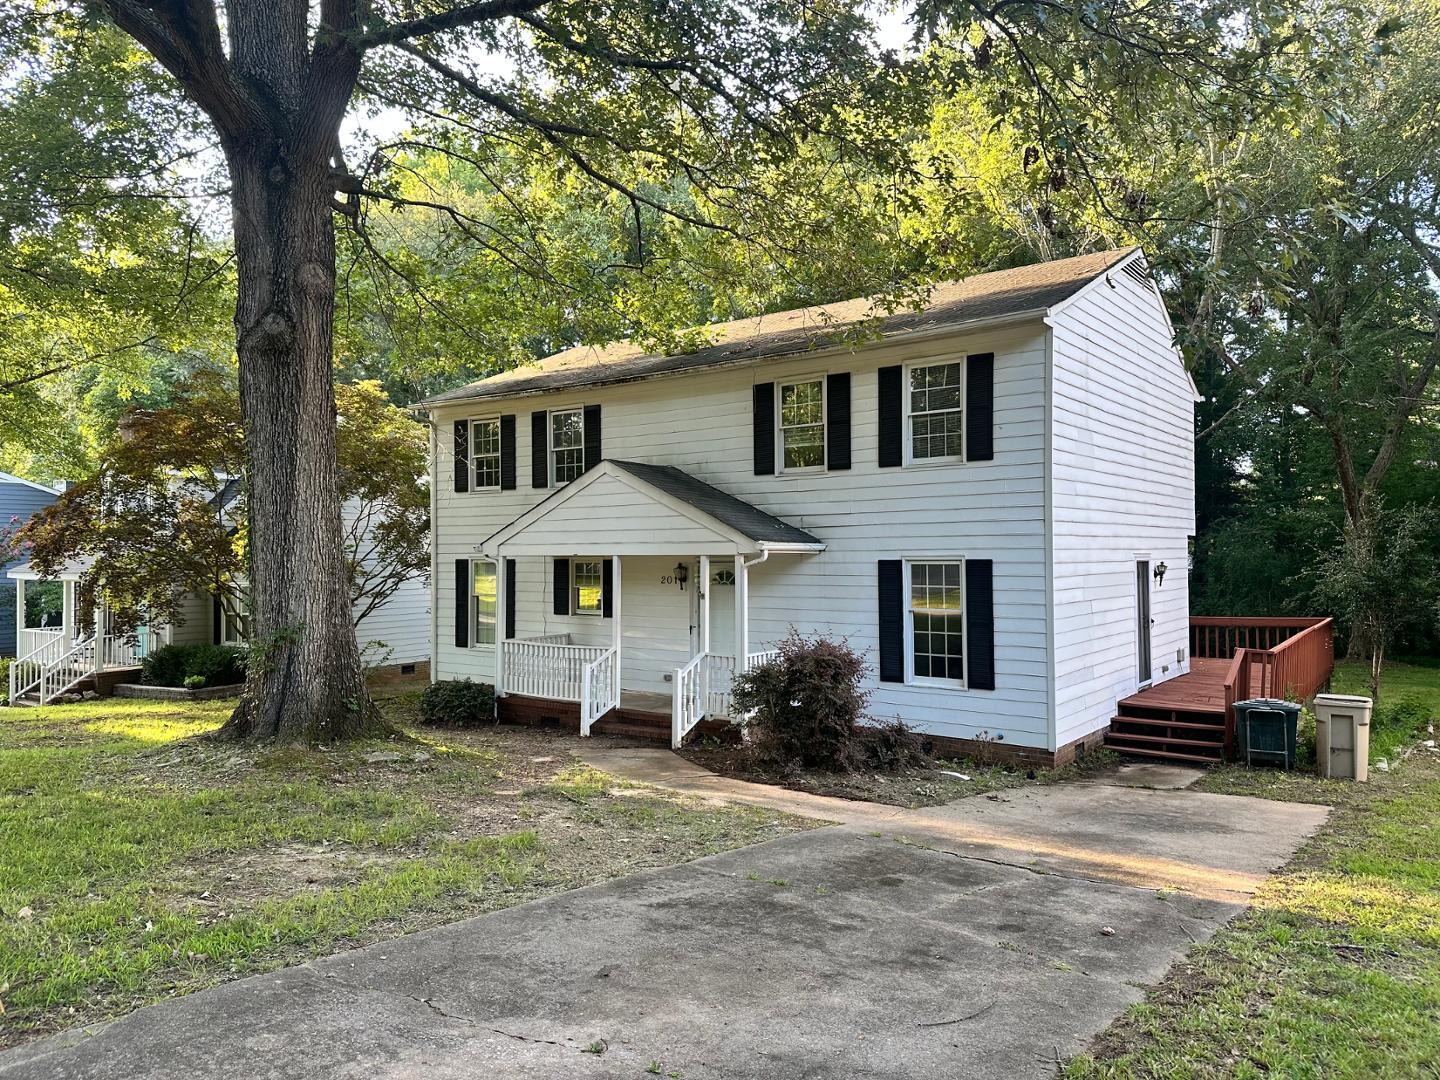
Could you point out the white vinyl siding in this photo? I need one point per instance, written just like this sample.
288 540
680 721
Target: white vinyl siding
704 423
935 412
485 454
801 415
1124 491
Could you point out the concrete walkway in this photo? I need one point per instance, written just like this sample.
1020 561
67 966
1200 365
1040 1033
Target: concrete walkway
1134 826
962 941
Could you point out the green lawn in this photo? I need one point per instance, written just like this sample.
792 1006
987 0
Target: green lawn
1335 971
138 863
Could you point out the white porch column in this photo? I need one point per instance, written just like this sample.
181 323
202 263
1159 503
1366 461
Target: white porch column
100 630
20 649
67 611
500 601
742 613
615 637
704 586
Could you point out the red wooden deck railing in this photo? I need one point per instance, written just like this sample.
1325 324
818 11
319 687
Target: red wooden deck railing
1280 658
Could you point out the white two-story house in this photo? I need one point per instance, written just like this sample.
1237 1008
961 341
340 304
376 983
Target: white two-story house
991 497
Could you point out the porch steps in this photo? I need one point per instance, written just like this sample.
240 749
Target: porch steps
653 726
1194 737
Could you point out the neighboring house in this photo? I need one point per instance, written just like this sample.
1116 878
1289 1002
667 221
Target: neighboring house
55 657
19 499
992 498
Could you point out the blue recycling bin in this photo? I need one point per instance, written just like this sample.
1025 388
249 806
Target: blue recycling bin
1265 730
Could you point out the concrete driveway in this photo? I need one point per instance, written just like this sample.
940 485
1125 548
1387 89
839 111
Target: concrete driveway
964 941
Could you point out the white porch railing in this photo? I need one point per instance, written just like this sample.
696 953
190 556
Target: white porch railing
47 672
548 668
702 688
121 650
599 689
27 641
691 696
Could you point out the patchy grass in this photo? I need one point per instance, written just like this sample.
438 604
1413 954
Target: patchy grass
931 785
1335 970
140 863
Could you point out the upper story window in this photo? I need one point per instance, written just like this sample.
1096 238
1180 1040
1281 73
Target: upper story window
485 453
802 425
935 412
567 445
588 583
937 621
483 590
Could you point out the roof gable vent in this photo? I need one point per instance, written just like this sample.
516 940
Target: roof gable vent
1137 270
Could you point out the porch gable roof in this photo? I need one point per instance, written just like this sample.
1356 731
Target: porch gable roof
711 513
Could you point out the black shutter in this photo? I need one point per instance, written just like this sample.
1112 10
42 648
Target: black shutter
607 584
562 586
837 421
765 429
507 452
539 449
980 622
509 598
892 621
891 417
980 407
217 613
592 436
462 455
462 603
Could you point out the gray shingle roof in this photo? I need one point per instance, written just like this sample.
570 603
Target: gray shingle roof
1023 290
739 515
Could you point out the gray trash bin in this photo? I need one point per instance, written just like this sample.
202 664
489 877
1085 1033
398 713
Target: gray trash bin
1342 736
1265 730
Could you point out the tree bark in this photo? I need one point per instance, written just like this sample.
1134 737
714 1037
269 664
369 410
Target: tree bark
306 682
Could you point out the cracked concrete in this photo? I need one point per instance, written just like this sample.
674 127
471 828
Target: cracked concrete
958 941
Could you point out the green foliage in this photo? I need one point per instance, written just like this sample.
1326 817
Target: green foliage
5 662
808 710
457 703
177 665
194 682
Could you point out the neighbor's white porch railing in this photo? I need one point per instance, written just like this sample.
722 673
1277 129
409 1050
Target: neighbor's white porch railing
599 689
548 668
28 641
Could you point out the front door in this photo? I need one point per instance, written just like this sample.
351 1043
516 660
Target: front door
722 608
1142 621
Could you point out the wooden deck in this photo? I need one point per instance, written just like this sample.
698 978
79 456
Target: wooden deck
1200 690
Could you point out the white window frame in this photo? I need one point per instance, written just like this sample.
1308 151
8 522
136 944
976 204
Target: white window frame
550 415
475 642
238 614
909 625
575 609
499 455
910 414
801 470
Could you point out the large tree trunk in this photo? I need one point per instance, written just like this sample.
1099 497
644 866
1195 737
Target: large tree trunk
306 680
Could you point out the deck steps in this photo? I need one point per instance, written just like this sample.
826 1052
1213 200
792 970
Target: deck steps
1178 735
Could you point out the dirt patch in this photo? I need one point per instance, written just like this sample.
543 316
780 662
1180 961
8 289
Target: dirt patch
932 784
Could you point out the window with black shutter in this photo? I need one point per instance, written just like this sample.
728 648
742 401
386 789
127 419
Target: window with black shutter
592 436
980 623
980 407
462 603
560 590
764 429
837 420
507 452
890 416
540 449
892 620
462 455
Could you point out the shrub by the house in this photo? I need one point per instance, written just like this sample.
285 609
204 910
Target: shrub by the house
457 703
808 709
178 665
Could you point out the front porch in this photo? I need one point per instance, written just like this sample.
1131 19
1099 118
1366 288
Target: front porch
642 577
54 656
